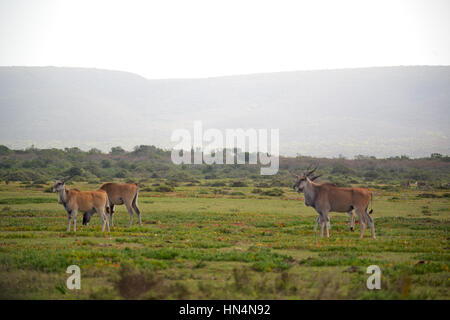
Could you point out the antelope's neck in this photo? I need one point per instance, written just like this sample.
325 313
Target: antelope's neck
62 198
310 194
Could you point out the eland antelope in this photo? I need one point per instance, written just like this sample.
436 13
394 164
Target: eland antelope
119 193
75 200
327 197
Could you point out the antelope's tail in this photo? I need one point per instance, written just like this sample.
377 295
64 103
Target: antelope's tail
371 203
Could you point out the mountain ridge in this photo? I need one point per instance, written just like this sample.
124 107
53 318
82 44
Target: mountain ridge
379 111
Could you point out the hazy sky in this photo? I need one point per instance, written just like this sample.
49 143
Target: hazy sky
173 39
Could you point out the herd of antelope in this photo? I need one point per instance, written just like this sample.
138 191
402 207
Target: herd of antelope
324 198
101 201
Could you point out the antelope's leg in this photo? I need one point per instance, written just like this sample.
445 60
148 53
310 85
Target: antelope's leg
327 223
371 224
68 220
101 211
136 209
103 222
317 222
362 222
322 224
106 220
352 220
111 215
74 219
130 212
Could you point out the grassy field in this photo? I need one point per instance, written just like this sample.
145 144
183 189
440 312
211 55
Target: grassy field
197 244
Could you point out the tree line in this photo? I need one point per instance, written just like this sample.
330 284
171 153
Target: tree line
149 162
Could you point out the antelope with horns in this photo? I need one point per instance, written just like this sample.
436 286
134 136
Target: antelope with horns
326 197
119 193
75 200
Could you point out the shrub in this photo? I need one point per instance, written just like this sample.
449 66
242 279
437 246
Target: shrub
281 183
164 188
218 184
238 184
275 192
262 185
219 191
121 174
341 169
132 283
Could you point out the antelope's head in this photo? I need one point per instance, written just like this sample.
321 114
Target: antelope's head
59 184
300 184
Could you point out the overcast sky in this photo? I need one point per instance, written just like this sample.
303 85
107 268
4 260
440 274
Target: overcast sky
190 39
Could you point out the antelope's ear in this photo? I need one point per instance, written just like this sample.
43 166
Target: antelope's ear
314 178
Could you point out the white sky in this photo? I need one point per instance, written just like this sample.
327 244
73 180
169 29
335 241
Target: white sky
202 38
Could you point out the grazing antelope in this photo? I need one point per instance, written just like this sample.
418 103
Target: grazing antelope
327 198
75 200
119 193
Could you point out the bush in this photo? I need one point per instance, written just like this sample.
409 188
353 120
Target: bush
427 195
172 183
219 191
262 185
105 163
275 192
164 188
23 175
279 183
238 184
121 174
371 175
132 283
39 181
4 150
341 169
218 184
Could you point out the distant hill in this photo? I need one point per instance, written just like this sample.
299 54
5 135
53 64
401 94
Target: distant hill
374 111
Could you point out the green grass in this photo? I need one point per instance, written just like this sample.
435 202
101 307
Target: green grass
197 244
26 200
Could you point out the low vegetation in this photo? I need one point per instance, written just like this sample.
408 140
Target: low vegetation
221 232
211 239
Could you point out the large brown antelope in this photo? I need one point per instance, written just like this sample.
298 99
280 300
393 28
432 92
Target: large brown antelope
119 193
327 198
75 200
